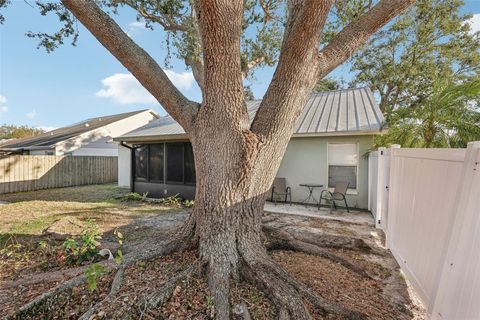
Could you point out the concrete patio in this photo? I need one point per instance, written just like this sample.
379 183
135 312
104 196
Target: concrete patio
341 214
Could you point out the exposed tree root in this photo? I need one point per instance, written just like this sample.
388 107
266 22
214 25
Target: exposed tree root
323 240
162 295
282 294
289 243
288 293
181 242
256 266
44 277
116 284
67 285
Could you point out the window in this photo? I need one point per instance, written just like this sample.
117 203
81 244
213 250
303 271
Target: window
141 163
156 162
342 164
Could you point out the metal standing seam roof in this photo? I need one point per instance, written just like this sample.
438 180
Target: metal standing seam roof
348 111
49 139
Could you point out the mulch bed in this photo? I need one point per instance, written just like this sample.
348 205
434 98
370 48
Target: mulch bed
191 299
338 284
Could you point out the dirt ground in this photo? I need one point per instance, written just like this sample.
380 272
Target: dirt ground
34 226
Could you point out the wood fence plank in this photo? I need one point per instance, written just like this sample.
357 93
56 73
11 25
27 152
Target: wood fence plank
28 173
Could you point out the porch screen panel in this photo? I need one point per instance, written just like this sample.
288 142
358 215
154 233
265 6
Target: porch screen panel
174 162
141 163
189 164
156 163
342 164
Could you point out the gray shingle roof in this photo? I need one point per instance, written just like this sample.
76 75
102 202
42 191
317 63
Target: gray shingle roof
326 113
49 139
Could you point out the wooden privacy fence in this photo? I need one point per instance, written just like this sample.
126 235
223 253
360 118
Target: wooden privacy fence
27 173
432 223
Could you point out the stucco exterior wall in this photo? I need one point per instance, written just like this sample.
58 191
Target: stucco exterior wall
124 167
306 161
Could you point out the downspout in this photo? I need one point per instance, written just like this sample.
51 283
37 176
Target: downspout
132 168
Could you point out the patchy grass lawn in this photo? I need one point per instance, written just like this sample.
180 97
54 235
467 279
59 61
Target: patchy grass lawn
34 225
30 213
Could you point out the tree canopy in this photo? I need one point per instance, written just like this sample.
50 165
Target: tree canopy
428 47
16 132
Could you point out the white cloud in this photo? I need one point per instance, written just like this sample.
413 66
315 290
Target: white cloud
3 99
3 109
474 23
182 80
123 88
31 114
135 27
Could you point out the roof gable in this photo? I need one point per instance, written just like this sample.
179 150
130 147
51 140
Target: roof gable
49 139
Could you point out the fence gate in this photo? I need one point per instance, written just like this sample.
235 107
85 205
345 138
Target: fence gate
379 185
428 204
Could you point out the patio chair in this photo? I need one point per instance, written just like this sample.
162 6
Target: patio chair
338 194
280 189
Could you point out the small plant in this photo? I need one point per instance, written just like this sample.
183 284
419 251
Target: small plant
119 255
141 264
172 200
209 301
86 247
133 196
188 203
93 273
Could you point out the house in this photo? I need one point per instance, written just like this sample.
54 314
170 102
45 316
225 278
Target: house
92 137
334 131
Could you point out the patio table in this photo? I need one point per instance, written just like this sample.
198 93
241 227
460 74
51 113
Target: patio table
311 187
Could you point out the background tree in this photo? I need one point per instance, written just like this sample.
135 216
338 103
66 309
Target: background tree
16 132
448 118
403 62
236 160
326 84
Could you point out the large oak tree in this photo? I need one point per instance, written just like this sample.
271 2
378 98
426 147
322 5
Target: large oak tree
236 159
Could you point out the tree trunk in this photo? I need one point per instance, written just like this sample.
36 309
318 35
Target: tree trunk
229 200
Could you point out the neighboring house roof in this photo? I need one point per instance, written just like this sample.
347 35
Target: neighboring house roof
49 139
340 112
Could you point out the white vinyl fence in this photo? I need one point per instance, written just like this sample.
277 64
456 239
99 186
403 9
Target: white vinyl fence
428 204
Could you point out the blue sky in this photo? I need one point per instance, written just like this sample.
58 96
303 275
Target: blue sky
75 83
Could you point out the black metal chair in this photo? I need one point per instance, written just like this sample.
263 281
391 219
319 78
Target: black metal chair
338 194
280 189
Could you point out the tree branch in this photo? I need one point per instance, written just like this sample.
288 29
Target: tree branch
220 27
356 34
296 70
165 21
197 70
135 59
306 19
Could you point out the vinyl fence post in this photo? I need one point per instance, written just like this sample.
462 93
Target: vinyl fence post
389 189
